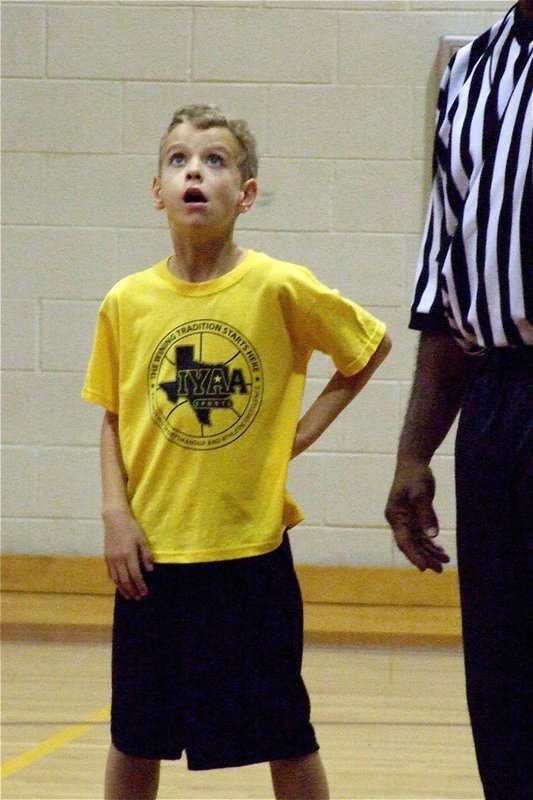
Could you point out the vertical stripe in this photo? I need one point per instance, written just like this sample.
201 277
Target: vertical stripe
475 262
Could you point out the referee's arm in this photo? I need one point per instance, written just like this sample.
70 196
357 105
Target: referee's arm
434 403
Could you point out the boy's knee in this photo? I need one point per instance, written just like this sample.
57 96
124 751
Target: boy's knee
119 758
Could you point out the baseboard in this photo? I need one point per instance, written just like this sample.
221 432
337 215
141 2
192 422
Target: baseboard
71 597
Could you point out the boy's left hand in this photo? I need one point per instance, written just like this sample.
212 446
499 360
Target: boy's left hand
127 554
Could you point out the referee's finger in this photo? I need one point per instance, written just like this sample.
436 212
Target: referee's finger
421 551
421 497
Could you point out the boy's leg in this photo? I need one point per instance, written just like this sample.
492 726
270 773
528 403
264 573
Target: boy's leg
129 778
303 778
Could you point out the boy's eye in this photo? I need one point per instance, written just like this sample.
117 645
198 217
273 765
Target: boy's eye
215 160
177 158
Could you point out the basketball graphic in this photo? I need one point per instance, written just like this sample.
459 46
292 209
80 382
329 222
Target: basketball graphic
205 383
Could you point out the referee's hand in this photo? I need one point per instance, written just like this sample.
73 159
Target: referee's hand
413 521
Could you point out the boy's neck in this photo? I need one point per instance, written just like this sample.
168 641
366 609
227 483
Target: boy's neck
205 261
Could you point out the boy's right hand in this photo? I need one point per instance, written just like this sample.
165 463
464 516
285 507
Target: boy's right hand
127 553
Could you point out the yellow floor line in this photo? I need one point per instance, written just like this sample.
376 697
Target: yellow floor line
53 743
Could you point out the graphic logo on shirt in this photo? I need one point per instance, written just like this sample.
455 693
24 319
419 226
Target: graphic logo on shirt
205 384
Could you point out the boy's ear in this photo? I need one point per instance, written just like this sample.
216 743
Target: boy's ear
248 195
156 194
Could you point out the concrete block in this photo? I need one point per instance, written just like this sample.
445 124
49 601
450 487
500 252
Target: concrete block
379 196
18 490
299 195
356 488
23 40
61 116
20 343
140 248
412 40
120 42
24 189
61 263
100 191
320 366
370 424
339 121
266 45
67 329
51 482
495 6
46 409
341 546
67 482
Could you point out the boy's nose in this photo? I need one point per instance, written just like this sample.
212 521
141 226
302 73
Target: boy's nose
193 169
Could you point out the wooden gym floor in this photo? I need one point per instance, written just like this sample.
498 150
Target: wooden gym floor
392 724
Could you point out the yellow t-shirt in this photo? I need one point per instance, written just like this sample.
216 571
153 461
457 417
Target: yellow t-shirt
207 380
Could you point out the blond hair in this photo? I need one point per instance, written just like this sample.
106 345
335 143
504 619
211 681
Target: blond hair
204 117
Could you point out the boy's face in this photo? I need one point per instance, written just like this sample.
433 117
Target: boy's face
200 185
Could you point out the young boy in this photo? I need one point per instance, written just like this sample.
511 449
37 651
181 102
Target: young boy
200 365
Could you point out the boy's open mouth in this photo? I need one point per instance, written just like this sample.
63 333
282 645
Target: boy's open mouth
194 195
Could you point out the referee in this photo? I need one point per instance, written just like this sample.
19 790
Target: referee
473 304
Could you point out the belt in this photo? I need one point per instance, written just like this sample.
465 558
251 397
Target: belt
508 358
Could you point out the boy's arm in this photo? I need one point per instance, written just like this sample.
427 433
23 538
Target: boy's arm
337 394
126 548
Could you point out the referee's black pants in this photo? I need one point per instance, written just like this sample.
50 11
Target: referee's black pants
494 486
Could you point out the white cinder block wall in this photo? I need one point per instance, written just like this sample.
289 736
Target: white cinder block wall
341 97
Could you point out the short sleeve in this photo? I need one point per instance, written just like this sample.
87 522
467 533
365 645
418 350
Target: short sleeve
427 310
102 378
345 331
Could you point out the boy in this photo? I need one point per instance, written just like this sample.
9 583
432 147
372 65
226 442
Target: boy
200 365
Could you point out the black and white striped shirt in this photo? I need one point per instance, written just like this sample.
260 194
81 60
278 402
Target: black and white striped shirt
475 270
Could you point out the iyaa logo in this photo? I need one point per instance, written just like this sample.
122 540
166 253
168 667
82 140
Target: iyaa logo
205 384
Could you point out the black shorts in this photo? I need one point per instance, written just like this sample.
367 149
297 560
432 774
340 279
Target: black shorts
210 663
